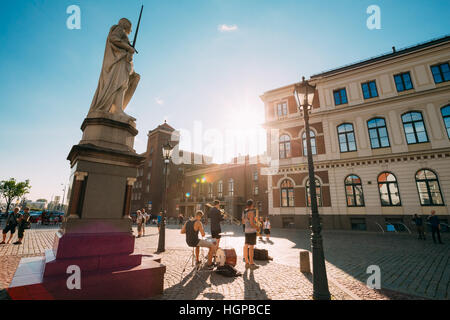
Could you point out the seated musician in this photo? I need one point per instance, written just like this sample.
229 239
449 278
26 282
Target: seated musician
191 228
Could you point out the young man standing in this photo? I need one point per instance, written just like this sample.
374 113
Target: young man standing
22 223
11 224
250 235
435 226
216 217
191 228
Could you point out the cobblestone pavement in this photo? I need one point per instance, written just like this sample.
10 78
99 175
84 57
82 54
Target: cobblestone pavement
410 269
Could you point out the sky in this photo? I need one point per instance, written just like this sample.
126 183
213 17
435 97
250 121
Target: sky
203 63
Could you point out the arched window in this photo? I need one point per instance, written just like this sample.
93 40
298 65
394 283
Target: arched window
346 135
354 191
318 194
414 127
210 190
429 189
446 116
285 146
231 187
389 193
313 143
287 193
378 133
220 189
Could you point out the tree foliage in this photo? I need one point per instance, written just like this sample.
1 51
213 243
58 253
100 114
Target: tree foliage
11 189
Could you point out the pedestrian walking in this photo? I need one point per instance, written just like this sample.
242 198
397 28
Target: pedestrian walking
140 222
11 224
159 220
418 221
267 228
435 226
22 224
145 217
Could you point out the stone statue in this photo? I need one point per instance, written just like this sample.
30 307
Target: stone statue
118 81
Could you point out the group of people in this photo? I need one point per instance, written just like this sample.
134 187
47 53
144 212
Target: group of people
142 218
252 226
433 219
16 220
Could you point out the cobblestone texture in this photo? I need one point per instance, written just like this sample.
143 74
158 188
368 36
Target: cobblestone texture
410 269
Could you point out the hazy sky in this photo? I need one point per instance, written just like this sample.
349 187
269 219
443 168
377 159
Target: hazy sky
200 61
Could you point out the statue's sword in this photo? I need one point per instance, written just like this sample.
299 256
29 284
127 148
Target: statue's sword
137 29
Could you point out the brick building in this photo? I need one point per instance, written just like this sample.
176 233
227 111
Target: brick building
232 183
380 137
148 190
191 184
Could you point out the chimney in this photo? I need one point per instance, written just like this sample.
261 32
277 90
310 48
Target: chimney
393 50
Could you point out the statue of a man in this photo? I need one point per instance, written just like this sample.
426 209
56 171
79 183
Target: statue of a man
118 81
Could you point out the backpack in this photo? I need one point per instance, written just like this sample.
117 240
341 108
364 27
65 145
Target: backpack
228 271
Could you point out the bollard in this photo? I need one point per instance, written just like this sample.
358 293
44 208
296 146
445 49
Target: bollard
304 262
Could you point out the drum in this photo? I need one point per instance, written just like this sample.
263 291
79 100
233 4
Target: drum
226 256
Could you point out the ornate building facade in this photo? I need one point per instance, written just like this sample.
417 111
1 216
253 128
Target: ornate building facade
380 133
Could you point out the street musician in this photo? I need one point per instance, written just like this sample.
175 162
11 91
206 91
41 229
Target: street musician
216 216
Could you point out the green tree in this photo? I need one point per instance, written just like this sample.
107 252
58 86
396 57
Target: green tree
11 189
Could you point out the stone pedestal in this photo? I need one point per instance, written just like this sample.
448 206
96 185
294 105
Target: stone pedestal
96 233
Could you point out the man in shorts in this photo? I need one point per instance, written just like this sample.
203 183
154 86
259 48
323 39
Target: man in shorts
11 224
191 228
250 235
216 217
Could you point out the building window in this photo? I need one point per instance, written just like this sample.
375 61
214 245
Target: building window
149 175
358 224
282 110
389 192
414 128
255 190
378 133
220 189
403 81
354 191
255 175
231 187
441 72
151 150
429 189
340 96
210 190
446 116
147 188
346 137
150 163
369 89
313 143
318 194
287 193
285 146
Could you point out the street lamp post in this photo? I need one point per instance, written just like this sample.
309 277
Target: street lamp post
304 92
167 154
